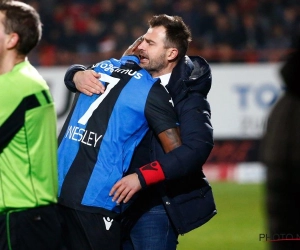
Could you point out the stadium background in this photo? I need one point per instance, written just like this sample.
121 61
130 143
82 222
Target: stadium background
245 42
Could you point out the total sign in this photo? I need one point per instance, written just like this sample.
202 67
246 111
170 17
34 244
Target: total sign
241 98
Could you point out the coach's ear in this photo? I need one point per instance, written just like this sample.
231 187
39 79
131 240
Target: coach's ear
172 54
12 40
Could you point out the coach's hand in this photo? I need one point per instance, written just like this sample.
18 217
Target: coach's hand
87 82
132 49
125 188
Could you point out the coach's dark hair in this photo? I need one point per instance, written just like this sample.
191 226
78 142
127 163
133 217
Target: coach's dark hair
178 35
24 20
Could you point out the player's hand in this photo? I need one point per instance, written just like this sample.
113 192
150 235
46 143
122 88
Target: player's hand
125 188
87 82
132 49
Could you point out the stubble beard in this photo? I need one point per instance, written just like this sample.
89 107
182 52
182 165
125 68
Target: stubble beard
155 65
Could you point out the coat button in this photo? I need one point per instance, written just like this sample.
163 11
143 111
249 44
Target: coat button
168 203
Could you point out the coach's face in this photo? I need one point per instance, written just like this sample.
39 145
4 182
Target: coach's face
154 55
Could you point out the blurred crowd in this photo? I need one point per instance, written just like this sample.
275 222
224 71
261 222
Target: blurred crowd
224 31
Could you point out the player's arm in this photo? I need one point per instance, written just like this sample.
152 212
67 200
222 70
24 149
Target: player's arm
125 188
197 142
170 139
163 121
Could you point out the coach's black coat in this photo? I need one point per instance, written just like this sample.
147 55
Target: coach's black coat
186 194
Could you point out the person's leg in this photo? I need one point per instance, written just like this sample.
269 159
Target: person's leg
36 228
127 245
3 232
153 231
83 230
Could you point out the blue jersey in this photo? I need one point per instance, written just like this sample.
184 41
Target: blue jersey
99 137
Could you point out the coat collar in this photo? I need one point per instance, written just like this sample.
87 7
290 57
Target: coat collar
191 74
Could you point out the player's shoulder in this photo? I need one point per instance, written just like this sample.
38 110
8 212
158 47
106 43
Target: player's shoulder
106 66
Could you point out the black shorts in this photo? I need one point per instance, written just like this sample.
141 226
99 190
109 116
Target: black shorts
90 231
35 228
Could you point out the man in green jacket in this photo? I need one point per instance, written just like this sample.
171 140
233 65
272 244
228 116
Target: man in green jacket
28 142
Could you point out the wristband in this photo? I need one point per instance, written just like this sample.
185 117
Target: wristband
152 173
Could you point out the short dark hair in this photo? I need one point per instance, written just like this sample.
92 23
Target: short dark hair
178 34
24 20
